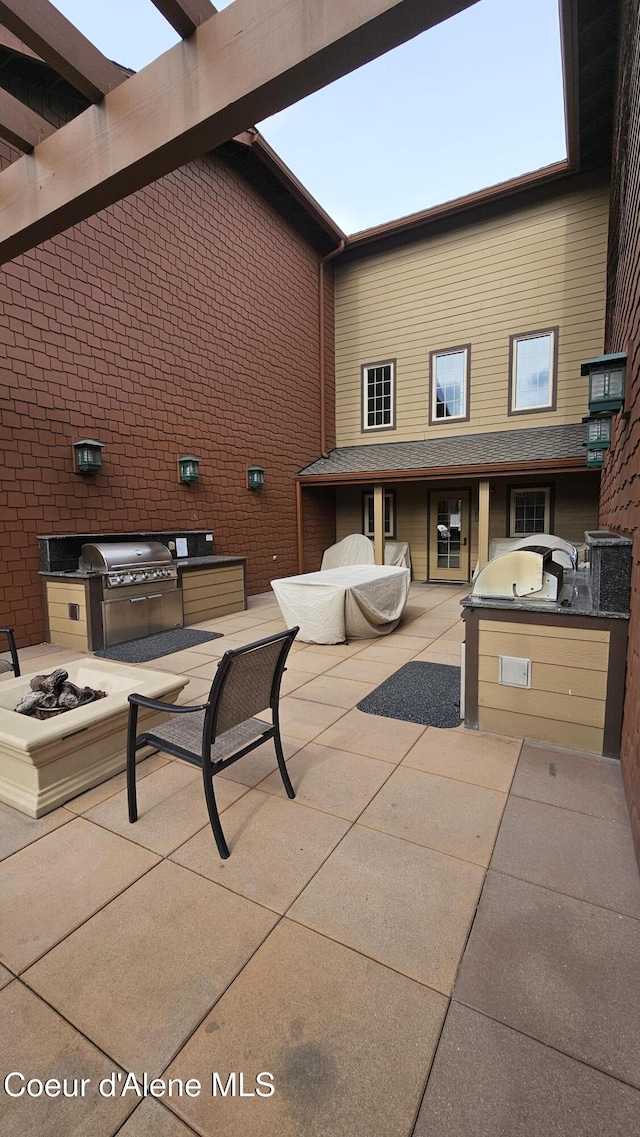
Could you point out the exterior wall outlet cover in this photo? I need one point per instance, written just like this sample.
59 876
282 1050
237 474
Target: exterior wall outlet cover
514 672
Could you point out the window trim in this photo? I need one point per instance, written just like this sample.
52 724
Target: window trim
466 348
365 367
554 332
547 488
392 513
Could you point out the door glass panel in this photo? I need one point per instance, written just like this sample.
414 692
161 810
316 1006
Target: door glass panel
449 538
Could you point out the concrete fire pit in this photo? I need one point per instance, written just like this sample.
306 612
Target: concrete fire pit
44 764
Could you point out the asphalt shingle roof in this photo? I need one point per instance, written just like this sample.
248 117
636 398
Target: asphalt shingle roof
498 447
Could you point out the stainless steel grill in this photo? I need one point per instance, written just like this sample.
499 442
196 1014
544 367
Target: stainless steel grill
140 592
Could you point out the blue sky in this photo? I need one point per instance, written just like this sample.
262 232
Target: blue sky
470 103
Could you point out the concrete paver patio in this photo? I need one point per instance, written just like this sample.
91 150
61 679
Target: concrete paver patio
440 936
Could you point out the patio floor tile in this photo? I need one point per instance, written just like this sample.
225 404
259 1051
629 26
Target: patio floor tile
139 976
348 1042
276 847
404 639
93 797
558 969
365 670
257 765
171 808
43 1045
470 756
178 662
196 691
333 690
372 735
408 907
575 781
387 651
313 662
490 1081
151 1119
453 817
207 667
49 888
586 857
344 651
331 780
304 719
292 680
5 976
18 830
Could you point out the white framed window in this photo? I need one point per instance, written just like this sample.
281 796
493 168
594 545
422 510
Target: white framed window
529 510
389 514
533 371
449 384
379 395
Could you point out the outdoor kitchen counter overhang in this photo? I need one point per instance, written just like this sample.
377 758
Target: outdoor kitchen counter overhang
541 450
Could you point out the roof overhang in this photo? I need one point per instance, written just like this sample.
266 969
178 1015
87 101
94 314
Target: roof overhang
448 473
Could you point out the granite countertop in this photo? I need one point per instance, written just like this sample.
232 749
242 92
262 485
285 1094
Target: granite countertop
208 562
574 600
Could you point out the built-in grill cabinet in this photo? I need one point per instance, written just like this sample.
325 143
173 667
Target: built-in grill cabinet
140 593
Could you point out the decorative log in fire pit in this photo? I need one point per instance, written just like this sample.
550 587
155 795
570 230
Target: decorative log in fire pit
54 694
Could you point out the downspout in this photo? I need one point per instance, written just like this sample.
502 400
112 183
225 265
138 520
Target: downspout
321 320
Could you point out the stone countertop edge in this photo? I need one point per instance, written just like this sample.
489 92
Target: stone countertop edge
183 563
580 604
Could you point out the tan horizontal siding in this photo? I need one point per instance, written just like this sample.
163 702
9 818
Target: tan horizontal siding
62 630
212 593
538 267
571 735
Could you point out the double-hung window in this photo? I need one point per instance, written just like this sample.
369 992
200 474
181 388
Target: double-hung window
533 368
449 384
529 511
379 396
389 514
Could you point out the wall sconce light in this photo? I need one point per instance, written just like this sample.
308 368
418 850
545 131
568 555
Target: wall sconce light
607 379
595 459
598 435
88 456
189 468
255 477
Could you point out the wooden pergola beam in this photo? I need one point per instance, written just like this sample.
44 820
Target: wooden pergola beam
21 126
59 43
185 15
245 63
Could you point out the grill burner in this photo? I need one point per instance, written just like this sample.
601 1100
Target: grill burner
140 593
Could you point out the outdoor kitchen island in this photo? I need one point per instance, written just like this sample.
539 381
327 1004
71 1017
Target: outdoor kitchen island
81 593
553 670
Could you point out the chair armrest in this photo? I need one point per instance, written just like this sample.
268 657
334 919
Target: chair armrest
172 708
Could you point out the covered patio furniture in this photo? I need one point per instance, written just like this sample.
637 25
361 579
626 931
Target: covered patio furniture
12 664
333 605
356 549
217 733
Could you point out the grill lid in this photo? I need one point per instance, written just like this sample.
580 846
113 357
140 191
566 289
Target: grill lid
529 573
106 557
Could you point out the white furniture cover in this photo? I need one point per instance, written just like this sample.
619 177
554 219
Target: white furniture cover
331 605
356 549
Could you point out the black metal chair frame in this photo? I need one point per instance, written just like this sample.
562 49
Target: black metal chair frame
15 663
210 766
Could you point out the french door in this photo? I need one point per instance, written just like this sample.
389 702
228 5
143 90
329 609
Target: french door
449 535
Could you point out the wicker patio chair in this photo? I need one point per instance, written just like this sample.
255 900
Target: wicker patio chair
219 732
13 664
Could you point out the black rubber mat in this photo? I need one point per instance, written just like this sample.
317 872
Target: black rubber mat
152 647
426 693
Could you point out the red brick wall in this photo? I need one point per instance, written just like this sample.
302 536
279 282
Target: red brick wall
620 494
182 320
